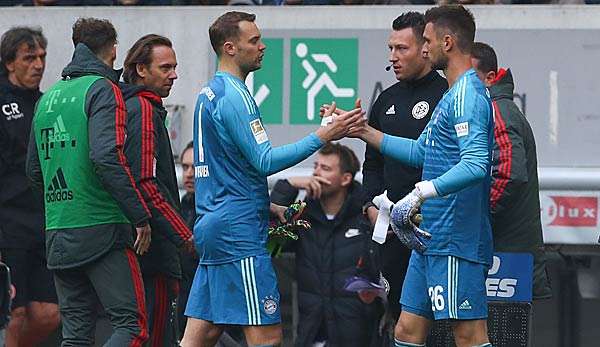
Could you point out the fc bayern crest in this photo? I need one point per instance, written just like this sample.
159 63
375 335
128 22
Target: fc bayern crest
270 306
420 110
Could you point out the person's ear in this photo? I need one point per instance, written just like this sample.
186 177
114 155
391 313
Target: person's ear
141 70
346 179
448 43
10 67
490 77
229 48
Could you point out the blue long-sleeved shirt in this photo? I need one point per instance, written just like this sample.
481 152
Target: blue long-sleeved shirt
455 153
232 159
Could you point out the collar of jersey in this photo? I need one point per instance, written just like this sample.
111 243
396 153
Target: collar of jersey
464 75
227 74
423 80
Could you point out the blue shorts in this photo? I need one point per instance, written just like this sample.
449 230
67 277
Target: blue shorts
444 287
243 292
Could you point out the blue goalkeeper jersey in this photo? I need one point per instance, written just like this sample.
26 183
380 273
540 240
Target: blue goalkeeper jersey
455 152
232 159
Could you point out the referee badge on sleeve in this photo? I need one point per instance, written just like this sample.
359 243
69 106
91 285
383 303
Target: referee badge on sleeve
260 135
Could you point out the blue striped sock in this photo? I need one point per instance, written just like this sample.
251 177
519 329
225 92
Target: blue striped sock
484 345
398 343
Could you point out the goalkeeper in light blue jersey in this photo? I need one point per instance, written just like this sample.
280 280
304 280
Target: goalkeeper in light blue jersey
235 283
446 274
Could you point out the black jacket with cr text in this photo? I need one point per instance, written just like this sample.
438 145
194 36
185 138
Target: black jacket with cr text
515 191
148 151
326 256
21 208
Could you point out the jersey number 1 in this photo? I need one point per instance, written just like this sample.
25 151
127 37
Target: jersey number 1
199 142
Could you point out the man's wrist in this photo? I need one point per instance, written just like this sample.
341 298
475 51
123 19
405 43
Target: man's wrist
317 138
373 137
365 208
295 182
426 190
323 135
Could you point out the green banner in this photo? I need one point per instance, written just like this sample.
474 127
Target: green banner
322 70
266 84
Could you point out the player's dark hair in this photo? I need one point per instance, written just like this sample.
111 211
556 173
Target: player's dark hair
413 20
190 145
348 160
453 20
99 35
227 27
141 53
14 38
486 57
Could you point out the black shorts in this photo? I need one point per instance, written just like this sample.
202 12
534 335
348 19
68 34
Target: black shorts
30 276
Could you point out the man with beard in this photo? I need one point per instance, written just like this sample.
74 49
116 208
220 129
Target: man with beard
34 312
235 282
401 110
328 254
446 276
149 71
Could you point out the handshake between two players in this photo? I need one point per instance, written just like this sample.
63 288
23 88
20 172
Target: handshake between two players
402 215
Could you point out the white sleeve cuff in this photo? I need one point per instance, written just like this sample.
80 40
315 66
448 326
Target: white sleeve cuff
427 189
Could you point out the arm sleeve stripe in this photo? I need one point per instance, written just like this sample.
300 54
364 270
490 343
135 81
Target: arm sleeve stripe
147 183
242 95
167 211
120 138
147 138
505 157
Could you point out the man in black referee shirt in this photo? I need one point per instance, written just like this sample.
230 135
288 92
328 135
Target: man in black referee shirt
404 109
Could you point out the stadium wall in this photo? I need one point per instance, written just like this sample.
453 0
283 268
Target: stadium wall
552 50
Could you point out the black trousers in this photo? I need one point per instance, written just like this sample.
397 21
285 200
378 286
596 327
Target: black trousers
115 282
161 302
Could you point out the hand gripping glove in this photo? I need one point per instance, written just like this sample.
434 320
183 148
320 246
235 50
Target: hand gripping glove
404 211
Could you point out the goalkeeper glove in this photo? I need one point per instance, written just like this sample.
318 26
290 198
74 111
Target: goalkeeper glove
404 211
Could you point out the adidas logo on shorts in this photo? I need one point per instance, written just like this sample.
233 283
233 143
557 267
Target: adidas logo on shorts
465 305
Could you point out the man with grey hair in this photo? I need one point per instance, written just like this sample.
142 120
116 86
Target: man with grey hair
34 312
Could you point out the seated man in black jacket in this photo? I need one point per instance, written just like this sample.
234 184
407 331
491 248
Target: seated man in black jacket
327 254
